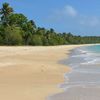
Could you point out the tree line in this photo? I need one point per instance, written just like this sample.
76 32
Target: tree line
16 29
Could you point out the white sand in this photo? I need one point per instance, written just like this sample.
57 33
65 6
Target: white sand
31 73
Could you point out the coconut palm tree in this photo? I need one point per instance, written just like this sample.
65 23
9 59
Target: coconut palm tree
5 11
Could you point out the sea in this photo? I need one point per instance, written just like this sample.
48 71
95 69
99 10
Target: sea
83 81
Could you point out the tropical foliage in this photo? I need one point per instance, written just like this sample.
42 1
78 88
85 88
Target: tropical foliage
16 29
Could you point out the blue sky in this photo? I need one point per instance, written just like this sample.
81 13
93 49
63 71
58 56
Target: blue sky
81 17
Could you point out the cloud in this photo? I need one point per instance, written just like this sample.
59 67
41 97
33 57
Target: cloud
70 19
65 12
70 11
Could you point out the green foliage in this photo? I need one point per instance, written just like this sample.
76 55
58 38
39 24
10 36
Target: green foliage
36 40
12 36
17 19
5 12
16 29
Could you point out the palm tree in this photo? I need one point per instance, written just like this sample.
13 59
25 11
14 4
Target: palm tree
5 11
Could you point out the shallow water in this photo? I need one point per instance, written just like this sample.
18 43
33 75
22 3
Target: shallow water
83 82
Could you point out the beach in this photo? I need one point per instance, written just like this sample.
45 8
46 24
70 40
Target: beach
32 73
83 81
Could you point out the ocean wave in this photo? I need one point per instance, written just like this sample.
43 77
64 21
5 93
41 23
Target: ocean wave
91 62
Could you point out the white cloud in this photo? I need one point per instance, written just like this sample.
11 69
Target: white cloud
69 10
68 14
65 12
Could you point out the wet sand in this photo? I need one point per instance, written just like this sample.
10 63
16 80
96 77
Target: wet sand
83 82
79 93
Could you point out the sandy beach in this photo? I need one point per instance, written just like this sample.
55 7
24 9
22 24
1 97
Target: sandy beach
31 73
83 81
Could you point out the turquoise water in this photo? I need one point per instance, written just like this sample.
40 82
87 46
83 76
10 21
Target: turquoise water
94 48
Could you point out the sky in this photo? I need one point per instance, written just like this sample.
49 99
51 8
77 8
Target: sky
81 17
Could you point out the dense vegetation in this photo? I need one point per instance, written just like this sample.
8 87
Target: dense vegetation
16 29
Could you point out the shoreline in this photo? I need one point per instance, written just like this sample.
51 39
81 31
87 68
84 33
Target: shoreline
28 73
78 84
67 55
68 51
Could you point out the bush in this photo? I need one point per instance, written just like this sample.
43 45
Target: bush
13 36
36 40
